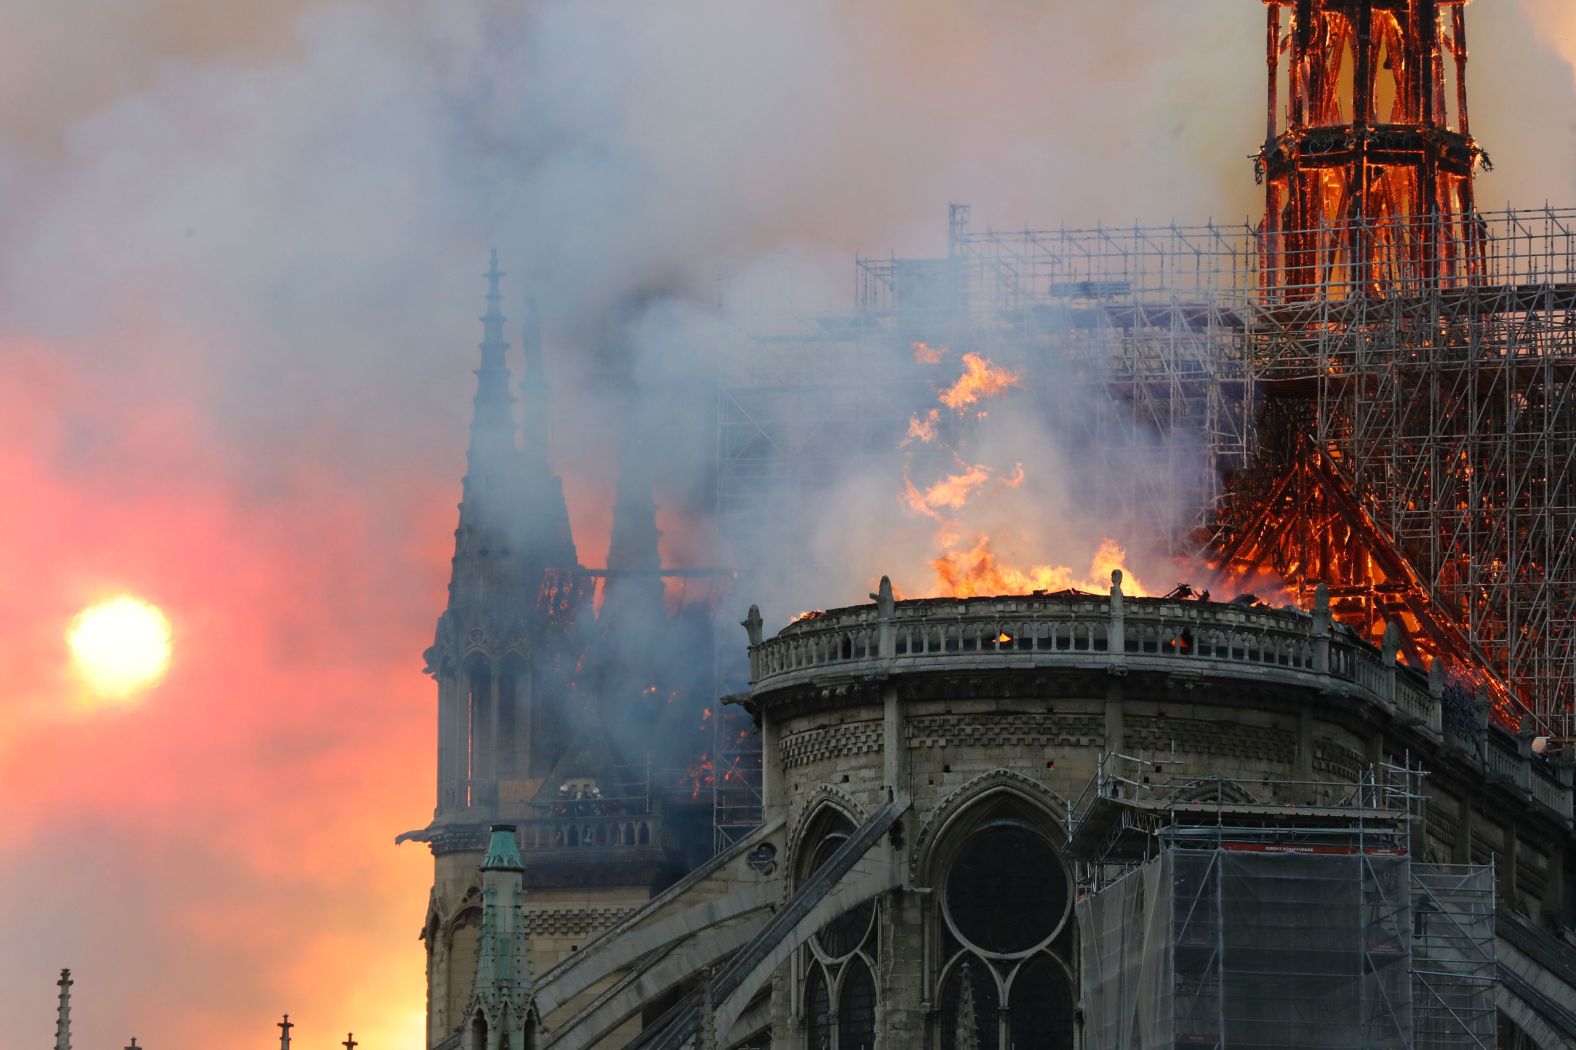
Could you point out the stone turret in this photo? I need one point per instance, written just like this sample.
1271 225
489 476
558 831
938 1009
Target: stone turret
497 1013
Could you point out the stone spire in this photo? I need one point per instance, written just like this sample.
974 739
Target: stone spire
492 421
489 499
63 1012
501 993
284 1032
499 654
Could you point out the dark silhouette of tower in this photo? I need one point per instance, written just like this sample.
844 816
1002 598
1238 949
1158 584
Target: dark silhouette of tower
512 591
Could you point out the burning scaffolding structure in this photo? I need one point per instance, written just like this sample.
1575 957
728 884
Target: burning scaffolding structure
1372 389
1413 451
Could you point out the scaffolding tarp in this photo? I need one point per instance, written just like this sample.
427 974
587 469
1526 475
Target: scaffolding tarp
1273 950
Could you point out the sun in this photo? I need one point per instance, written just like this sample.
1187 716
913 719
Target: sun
120 648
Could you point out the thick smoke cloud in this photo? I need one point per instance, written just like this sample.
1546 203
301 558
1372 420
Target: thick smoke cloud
237 305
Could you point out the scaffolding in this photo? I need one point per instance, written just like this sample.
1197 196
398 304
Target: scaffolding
1213 918
1439 399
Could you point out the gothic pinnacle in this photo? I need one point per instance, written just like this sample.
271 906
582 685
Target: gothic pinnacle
492 422
63 1017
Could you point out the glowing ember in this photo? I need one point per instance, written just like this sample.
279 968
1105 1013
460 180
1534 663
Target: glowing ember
981 378
701 774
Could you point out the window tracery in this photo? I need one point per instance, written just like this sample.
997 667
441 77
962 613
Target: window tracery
840 996
1003 934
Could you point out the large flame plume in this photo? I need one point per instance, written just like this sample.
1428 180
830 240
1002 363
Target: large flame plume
967 562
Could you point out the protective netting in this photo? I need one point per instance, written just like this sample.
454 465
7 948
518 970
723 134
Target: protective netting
1453 966
1126 932
1287 951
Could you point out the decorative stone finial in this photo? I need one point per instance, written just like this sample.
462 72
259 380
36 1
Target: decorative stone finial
350 1041
1391 642
284 1033
1321 599
503 852
1436 678
752 625
885 604
1116 578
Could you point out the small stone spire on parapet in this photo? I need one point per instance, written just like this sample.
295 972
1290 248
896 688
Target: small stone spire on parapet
1117 642
63 1013
501 994
284 1033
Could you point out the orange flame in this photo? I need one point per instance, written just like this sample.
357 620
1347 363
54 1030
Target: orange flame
926 354
923 429
981 378
976 572
954 491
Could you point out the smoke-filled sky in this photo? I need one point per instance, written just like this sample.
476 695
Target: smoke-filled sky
240 248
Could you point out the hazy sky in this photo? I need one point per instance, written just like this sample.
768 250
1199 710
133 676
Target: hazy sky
238 289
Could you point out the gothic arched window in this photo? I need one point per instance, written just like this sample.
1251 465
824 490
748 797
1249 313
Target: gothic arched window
839 983
1005 945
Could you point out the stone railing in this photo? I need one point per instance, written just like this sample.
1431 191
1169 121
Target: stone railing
1095 630
1126 634
586 832
1549 791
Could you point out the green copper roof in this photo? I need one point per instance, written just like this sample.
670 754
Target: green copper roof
502 852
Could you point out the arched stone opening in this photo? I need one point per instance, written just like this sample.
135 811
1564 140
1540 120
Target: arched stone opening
1001 929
